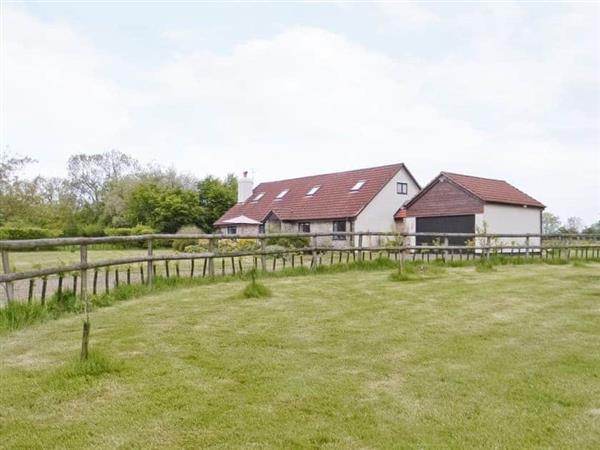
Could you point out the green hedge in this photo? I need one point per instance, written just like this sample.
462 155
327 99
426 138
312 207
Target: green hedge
133 231
20 233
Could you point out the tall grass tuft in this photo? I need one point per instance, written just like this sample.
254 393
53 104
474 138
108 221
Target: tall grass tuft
255 289
64 302
95 365
485 265
17 315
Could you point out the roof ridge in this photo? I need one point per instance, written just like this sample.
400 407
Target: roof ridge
399 165
474 176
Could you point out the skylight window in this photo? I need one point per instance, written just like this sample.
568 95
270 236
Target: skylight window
358 185
313 190
258 197
282 194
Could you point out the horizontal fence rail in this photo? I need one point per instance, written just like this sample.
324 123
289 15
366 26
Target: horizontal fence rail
350 246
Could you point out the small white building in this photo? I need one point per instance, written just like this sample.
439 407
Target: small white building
356 200
454 203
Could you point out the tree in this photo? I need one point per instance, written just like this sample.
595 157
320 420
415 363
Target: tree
573 225
216 197
164 208
593 228
89 174
10 164
550 223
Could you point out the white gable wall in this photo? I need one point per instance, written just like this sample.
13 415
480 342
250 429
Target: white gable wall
378 215
512 219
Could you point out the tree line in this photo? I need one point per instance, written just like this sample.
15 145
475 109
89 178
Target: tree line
110 191
552 224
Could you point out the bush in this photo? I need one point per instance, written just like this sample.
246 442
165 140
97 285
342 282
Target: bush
289 242
179 245
275 248
132 231
92 230
20 233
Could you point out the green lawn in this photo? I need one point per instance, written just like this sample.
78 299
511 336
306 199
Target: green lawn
503 359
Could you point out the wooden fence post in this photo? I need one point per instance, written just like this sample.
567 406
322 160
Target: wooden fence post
263 257
360 247
314 262
527 246
211 260
8 286
84 298
446 244
150 266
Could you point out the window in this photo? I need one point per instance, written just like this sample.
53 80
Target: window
402 188
313 190
258 197
231 230
282 194
261 228
304 227
339 225
358 185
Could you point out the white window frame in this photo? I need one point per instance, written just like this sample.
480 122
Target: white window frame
301 226
313 190
231 227
401 188
282 194
358 186
337 237
258 197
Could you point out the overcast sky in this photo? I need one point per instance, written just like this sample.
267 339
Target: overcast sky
505 91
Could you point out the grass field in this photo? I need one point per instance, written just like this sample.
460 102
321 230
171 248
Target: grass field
506 358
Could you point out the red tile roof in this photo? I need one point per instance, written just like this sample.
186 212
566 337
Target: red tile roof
333 200
486 189
494 191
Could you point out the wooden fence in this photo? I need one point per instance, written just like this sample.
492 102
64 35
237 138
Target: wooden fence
391 245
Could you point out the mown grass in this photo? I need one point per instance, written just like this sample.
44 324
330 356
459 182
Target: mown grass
465 359
18 315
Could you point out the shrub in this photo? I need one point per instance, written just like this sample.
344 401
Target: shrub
20 233
129 231
179 245
289 242
92 230
275 248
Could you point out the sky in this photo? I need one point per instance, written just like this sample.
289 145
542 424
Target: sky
287 89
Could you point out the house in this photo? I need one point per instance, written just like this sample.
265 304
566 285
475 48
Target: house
454 203
356 200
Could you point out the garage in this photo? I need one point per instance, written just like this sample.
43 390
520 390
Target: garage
445 224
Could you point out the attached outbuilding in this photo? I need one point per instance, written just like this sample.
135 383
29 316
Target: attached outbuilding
454 203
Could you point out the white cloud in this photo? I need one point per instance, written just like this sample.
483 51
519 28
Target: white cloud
309 100
410 15
55 98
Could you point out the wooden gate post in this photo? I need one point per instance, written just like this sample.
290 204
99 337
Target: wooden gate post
8 286
150 265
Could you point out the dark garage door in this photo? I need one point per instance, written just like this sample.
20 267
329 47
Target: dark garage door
446 224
